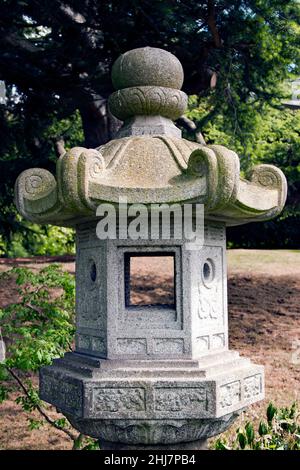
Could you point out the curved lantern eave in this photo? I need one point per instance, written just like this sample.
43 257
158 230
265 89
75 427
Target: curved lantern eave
208 175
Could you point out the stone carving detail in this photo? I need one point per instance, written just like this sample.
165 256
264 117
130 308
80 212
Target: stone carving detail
90 163
90 311
208 303
153 431
180 399
266 175
210 291
83 341
202 343
38 182
132 346
252 386
168 345
95 163
218 341
197 165
35 189
91 343
62 394
148 100
33 183
98 344
208 273
90 306
81 173
74 171
270 177
230 394
118 399
90 293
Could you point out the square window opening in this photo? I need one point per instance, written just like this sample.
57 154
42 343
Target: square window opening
150 280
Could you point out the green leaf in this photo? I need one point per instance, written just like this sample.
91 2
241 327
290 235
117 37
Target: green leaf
262 429
61 422
271 411
220 445
3 393
242 439
249 433
35 424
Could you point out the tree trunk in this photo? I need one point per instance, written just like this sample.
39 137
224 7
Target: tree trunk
99 125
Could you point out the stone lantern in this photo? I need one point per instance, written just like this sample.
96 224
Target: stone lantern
150 376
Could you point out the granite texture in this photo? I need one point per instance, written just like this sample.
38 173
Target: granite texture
195 326
150 169
147 66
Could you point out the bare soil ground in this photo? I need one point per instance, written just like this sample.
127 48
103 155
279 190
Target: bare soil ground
264 322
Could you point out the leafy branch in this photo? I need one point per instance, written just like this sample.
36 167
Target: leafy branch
33 402
37 328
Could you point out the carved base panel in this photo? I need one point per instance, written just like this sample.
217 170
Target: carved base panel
153 432
157 402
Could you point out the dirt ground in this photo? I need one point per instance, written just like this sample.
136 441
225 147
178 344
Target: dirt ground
264 323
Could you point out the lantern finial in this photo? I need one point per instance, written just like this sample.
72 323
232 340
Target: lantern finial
148 96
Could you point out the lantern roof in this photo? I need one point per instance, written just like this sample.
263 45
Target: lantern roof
148 161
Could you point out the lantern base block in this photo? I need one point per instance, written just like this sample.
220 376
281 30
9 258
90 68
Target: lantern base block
161 433
154 402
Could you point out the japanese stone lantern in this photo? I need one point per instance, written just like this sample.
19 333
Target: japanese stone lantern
150 376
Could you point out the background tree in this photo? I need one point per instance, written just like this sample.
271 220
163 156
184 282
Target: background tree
265 134
55 59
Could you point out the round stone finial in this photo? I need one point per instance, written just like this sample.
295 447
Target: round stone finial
147 66
148 82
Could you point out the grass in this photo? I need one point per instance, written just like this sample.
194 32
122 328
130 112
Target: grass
265 261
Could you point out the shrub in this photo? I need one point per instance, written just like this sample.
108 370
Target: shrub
29 239
280 431
37 328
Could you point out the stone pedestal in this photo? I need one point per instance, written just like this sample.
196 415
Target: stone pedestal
152 402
